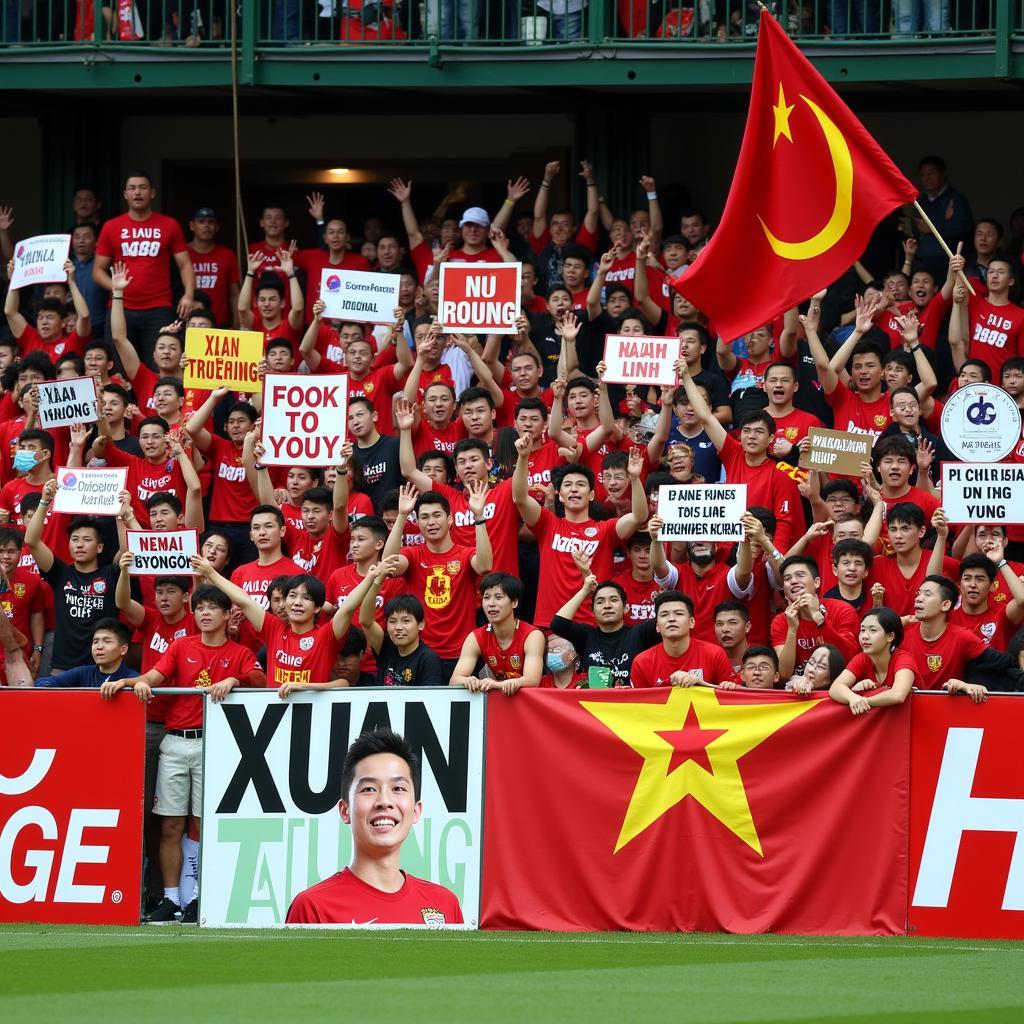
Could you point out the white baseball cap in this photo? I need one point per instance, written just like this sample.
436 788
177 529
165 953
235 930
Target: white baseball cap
475 215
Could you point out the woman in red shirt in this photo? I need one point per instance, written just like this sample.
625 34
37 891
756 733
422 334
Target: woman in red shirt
881 670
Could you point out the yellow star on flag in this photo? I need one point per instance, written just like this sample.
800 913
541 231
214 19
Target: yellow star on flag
782 112
734 730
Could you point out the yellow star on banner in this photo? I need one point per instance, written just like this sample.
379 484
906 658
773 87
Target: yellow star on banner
782 112
648 729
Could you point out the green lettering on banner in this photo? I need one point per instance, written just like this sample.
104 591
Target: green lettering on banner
455 880
416 859
250 834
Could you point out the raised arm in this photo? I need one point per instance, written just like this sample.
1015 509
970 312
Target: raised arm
592 218
343 616
195 426
571 608
641 286
959 327
249 608
540 203
476 495
34 530
406 505
12 306
307 347
865 310
402 192
528 506
713 426
83 327
628 524
118 325
194 518
826 375
515 191
604 264
245 314
133 612
339 516
405 419
480 368
368 612
286 258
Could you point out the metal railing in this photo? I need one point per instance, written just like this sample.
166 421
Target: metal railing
271 24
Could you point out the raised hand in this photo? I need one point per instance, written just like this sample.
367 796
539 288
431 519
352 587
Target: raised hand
518 188
477 494
6 217
648 184
925 454
523 445
635 466
583 561
551 170
407 499
254 261
401 190
120 277
286 257
586 171
316 205
405 414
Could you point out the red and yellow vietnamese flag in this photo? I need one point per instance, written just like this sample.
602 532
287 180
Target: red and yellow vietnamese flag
695 810
810 187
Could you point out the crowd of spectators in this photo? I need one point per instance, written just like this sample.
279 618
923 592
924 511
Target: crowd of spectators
492 520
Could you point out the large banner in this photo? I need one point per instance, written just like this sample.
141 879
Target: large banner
70 807
967 818
272 781
695 810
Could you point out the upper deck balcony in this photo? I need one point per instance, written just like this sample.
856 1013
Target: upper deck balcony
59 45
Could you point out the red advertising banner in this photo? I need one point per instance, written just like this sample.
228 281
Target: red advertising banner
695 810
967 818
70 807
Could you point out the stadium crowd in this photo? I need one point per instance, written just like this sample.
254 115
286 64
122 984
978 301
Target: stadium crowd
492 521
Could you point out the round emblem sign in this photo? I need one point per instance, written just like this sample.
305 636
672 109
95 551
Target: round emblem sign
981 423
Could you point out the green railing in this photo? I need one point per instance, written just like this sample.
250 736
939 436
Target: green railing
467 24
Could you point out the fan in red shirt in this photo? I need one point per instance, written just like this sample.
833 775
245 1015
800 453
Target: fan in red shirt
747 462
22 598
558 537
159 470
510 651
809 620
680 659
899 575
791 424
989 329
941 650
215 266
335 257
442 574
866 410
48 335
300 654
993 619
882 671
380 800
268 311
208 662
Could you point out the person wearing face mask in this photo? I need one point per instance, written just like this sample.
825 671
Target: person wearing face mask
561 664
33 462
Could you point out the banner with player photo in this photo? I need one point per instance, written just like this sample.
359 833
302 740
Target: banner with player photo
272 782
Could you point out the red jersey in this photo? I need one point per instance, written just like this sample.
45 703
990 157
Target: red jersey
216 271
504 662
314 262
345 899
232 500
540 463
429 439
147 247
272 265
995 332
157 636
488 255
191 663
929 319
901 590
506 412
640 596
11 495
623 272
557 538
706 591
944 658
301 658
992 626
446 584
862 667
146 479
794 426
282 330
32 341
254 579
320 556
840 628
501 516
654 667
925 501
853 414
768 487
24 598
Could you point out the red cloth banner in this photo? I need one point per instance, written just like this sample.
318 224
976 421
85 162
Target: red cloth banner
810 187
695 810
71 769
967 818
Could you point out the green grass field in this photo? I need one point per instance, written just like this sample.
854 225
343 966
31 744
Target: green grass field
191 975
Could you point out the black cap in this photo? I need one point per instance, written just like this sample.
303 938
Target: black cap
204 211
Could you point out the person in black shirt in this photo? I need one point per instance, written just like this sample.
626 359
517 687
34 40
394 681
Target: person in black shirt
607 649
376 453
83 591
401 659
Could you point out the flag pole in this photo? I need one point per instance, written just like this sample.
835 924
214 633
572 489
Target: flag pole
942 242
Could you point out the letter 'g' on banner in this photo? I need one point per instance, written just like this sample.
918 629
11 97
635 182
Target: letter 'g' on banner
479 297
304 418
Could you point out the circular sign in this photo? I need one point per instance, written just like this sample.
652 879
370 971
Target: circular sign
981 423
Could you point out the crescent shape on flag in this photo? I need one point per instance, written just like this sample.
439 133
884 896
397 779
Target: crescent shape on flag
837 224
